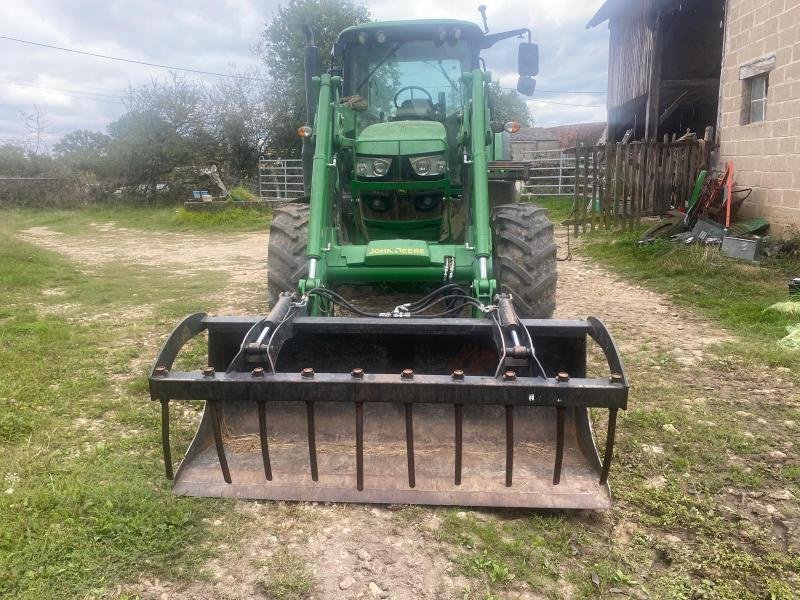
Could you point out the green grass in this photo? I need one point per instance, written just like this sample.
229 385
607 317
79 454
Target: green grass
513 548
84 503
723 553
242 194
285 577
734 294
166 219
559 208
89 508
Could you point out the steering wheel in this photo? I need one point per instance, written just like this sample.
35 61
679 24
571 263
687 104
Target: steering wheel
412 87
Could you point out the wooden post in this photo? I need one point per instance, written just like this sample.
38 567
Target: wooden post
654 85
708 138
645 181
594 185
611 160
626 156
575 191
634 151
658 163
585 188
617 184
635 156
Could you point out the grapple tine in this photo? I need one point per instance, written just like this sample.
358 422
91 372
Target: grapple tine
213 407
262 434
410 444
459 413
165 437
509 444
559 445
312 442
612 430
359 446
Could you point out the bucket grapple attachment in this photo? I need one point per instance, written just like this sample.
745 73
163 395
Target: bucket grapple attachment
446 411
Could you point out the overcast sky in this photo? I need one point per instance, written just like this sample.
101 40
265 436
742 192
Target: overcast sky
76 91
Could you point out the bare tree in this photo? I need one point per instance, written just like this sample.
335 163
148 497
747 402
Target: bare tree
37 126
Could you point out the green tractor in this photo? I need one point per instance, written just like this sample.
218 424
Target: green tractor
409 354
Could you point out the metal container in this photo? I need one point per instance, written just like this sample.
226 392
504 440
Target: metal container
742 248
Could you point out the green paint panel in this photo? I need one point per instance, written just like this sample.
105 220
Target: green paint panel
397 253
404 130
402 137
390 148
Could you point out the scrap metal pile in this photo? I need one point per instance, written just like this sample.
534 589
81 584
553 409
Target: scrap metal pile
710 219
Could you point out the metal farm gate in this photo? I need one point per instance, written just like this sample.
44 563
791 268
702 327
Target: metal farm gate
280 180
552 172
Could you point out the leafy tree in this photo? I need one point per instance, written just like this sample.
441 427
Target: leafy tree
144 149
15 161
281 49
81 142
177 101
238 121
508 105
83 149
167 126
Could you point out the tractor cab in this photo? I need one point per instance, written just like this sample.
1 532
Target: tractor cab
400 72
402 104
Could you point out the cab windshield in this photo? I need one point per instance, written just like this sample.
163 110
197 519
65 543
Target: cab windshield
408 80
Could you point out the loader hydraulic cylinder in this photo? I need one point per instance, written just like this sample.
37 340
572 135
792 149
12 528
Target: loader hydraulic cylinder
480 173
321 181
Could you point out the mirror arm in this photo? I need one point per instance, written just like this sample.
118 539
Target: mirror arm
490 40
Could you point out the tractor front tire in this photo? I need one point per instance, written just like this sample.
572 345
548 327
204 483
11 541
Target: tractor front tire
286 254
525 258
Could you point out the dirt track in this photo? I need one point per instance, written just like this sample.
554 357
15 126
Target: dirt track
349 547
583 288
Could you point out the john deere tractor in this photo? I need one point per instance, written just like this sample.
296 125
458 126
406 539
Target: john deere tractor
409 353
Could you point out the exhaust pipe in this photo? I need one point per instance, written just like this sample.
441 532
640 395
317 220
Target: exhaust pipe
311 65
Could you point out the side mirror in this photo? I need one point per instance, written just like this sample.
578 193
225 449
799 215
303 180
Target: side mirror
528 60
526 86
337 50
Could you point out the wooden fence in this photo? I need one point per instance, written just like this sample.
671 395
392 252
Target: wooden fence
618 184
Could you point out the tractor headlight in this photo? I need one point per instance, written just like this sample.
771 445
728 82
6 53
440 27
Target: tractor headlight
427 166
373 167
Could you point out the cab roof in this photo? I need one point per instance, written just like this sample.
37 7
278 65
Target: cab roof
409 30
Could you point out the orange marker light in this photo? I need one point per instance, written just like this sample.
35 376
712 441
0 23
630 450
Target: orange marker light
512 127
305 131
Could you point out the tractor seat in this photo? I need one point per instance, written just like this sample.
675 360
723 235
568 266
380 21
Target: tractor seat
414 108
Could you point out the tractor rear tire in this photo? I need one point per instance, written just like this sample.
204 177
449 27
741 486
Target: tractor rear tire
286 255
525 258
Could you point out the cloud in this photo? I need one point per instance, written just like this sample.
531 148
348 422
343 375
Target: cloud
81 91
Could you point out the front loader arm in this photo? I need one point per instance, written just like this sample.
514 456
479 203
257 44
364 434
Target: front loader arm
484 285
323 166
